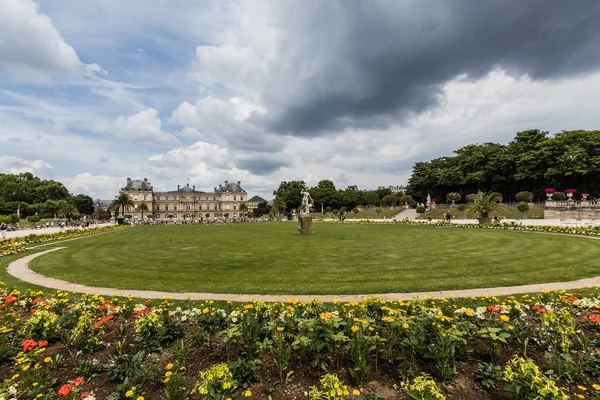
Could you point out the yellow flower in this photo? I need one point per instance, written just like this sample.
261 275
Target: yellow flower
582 388
504 318
34 384
169 366
168 373
405 325
47 359
129 393
140 398
354 328
247 393
580 396
510 327
596 386
15 376
356 392
279 329
166 380
26 367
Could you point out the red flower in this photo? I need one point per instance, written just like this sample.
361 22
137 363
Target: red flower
84 395
573 298
36 300
147 302
65 390
10 299
595 318
43 343
33 310
28 344
492 308
77 381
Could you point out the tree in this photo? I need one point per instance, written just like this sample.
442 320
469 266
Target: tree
207 215
389 200
524 197
420 210
336 212
453 197
226 215
378 211
101 214
243 209
355 210
67 209
484 204
121 201
290 193
84 204
523 207
278 207
143 207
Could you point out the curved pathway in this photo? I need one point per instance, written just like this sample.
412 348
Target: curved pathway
20 269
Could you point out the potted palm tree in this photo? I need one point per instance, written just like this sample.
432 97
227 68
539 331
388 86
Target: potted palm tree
143 207
120 202
483 204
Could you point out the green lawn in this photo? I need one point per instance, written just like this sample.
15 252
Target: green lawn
512 213
337 259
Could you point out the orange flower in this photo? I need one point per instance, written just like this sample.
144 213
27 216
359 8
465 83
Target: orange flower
65 390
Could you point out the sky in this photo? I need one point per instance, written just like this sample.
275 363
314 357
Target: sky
93 92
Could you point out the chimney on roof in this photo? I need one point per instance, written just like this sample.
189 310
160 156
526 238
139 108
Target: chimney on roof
215 190
226 182
128 180
177 187
194 188
146 180
239 182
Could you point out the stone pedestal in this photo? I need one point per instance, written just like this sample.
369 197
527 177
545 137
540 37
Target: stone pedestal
305 226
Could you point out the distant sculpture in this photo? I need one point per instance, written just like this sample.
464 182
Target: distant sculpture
306 203
305 219
428 198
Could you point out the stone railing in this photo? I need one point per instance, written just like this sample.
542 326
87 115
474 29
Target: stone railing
573 204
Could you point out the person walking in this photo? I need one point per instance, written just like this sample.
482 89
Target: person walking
3 229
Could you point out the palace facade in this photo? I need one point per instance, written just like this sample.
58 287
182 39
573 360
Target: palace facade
185 203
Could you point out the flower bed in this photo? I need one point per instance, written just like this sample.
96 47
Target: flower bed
21 243
591 231
63 345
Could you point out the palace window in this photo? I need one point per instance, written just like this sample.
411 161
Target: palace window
145 197
135 197
166 207
175 207
234 198
228 206
157 216
234 206
187 207
175 216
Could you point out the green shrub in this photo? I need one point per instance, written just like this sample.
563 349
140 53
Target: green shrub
489 375
462 207
524 196
216 383
331 389
34 218
422 388
421 210
244 372
559 196
523 207
526 382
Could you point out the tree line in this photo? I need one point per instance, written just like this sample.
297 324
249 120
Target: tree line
30 196
325 195
533 161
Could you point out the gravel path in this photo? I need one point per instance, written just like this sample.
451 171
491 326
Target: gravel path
20 269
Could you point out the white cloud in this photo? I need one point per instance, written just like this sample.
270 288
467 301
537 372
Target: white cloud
144 127
16 165
96 186
30 46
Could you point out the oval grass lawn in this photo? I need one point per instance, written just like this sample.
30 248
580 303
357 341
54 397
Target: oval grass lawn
271 258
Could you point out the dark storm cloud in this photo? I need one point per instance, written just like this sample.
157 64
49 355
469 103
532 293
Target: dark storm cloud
261 164
371 63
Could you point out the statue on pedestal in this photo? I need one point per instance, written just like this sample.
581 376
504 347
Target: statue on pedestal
304 218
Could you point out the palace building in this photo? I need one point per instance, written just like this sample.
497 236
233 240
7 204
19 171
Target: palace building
185 203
